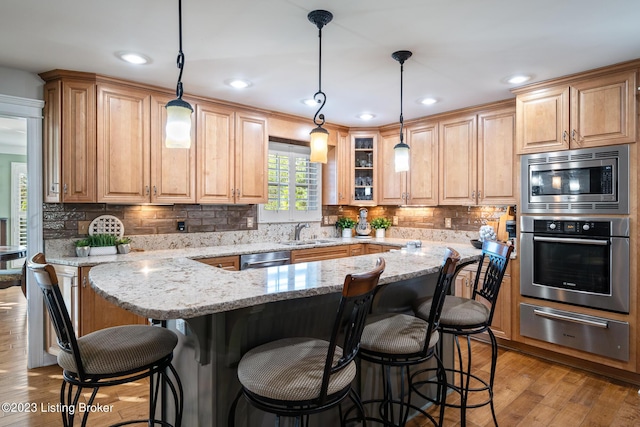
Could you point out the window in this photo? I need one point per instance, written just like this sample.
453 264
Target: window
294 185
18 208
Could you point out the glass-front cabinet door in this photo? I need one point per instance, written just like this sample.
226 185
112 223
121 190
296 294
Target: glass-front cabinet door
363 146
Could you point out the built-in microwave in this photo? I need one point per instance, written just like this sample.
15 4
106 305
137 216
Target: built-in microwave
588 180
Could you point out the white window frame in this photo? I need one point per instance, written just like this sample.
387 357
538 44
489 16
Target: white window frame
291 214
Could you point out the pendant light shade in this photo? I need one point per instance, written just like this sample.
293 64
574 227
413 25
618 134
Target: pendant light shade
178 127
401 150
319 136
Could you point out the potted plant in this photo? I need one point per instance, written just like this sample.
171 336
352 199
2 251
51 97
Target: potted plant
124 245
346 225
82 247
103 244
380 224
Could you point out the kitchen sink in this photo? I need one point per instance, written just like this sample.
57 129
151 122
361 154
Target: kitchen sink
305 242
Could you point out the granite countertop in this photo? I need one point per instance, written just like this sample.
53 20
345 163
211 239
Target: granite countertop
216 251
171 287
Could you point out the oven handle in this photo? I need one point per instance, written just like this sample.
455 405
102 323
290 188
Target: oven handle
556 316
570 240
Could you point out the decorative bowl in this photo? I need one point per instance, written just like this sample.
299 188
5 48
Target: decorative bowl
476 243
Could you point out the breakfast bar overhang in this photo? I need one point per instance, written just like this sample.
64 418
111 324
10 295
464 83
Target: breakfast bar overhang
219 315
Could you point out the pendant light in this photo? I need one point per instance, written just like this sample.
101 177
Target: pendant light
178 128
319 136
401 150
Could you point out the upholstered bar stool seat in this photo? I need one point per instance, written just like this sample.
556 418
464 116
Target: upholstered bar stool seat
396 334
292 369
458 311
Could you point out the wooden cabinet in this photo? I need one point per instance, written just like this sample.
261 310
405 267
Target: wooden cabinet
232 156
418 186
230 263
588 112
69 140
374 248
320 253
477 159
364 176
357 249
336 173
134 166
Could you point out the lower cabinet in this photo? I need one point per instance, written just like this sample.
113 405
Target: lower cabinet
89 312
320 254
501 324
230 263
373 248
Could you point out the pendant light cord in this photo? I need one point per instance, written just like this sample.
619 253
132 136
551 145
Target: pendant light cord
180 60
401 91
319 96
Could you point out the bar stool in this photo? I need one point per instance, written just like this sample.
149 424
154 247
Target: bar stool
402 341
108 357
464 317
296 377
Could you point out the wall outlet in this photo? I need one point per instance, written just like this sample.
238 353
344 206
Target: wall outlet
181 226
325 220
250 222
395 220
83 227
447 223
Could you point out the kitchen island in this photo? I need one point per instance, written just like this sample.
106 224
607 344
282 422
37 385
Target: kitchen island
221 314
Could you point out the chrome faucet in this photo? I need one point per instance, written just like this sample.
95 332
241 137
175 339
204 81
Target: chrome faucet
299 228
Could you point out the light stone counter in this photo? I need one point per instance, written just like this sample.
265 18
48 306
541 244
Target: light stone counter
162 287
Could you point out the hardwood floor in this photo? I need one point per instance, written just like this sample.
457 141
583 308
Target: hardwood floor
40 388
529 392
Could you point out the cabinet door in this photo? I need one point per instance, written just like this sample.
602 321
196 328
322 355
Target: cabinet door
457 165
603 111
78 142
215 152
97 313
422 178
52 149
357 249
497 173
252 150
319 254
542 120
393 188
123 145
364 176
173 170
230 263
463 283
336 172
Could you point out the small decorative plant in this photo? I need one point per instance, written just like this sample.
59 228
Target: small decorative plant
123 241
82 243
102 240
124 246
345 223
380 223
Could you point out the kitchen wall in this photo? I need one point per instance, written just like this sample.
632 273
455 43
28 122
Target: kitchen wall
20 83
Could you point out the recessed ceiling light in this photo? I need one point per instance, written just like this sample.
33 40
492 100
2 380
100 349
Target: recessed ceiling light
517 79
427 101
310 102
133 58
238 83
366 116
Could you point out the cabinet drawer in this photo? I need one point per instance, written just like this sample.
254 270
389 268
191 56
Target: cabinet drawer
606 337
319 254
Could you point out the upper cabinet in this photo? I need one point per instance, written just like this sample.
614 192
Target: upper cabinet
69 133
232 155
586 112
364 177
418 186
336 173
134 166
477 158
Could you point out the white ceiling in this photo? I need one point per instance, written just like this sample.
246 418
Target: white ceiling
462 49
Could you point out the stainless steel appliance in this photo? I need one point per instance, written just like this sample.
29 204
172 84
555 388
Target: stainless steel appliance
584 181
266 259
576 260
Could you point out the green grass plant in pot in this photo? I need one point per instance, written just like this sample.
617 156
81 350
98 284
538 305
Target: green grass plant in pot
380 224
82 247
124 245
346 225
103 244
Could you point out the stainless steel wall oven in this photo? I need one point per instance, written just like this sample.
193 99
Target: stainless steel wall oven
576 260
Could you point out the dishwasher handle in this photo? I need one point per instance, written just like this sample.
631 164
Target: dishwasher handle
258 264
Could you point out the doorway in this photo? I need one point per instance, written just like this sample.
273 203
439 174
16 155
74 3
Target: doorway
29 112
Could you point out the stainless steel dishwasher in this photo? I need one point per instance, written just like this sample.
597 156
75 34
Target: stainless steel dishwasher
265 259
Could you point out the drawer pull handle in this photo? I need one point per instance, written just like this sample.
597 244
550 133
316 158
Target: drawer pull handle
557 316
